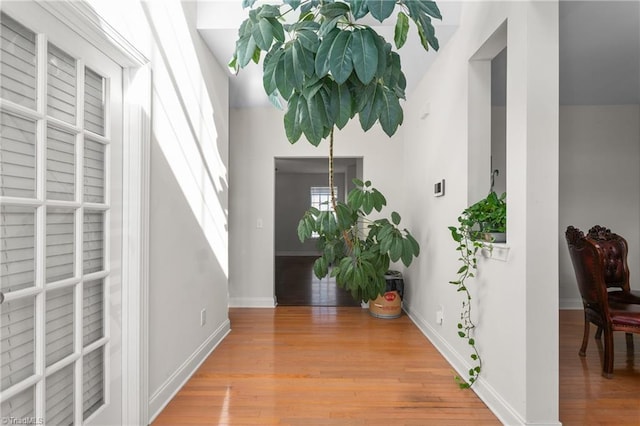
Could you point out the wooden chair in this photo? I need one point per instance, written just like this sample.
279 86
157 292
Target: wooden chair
613 251
598 259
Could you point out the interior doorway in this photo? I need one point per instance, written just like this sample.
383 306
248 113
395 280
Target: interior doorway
300 182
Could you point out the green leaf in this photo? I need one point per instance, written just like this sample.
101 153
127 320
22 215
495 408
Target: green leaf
396 249
461 334
354 198
401 30
310 121
340 57
462 269
390 112
247 3
233 64
309 39
268 11
384 49
407 253
301 230
293 3
414 244
291 121
364 55
333 10
278 30
341 98
368 113
431 8
322 63
327 26
263 34
245 47
367 202
283 70
359 8
256 55
472 342
395 218
294 63
269 66
320 267
427 33
381 9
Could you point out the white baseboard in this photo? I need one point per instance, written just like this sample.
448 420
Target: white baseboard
252 302
570 303
501 408
177 380
298 253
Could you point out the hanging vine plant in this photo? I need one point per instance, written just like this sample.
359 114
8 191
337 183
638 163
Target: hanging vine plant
328 66
474 224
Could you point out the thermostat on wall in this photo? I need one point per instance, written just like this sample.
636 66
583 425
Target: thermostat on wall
438 188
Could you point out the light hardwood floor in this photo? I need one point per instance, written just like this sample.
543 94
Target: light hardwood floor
340 366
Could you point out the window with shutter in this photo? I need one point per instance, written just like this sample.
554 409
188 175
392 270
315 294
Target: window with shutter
54 230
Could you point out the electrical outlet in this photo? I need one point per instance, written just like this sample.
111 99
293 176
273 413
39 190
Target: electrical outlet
440 315
203 317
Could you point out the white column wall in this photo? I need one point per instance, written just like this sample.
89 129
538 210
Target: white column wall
515 302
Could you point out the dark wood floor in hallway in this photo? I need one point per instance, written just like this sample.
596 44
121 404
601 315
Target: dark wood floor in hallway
297 285
323 366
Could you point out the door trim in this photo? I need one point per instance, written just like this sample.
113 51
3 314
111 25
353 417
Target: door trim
136 77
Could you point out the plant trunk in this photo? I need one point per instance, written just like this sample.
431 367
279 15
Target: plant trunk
334 202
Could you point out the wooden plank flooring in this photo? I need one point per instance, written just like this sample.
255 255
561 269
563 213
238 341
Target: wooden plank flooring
340 366
587 398
323 366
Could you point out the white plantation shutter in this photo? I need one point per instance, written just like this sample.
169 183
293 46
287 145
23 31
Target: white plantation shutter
21 406
92 312
93 102
17 156
93 242
60 255
59 397
59 325
18 65
61 85
17 247
94 168
17 339
92 382
61 164
44 210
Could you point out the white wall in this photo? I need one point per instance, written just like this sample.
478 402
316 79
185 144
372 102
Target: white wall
189 192
256 138
515 302
292 201
599 177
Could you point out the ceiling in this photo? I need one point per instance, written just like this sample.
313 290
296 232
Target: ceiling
599 50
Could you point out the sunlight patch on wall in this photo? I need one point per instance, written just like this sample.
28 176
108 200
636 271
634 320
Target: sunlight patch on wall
184 125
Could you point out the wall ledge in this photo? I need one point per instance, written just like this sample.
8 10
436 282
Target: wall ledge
500 251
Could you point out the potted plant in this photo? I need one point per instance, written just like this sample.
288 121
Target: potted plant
356 249
328 66
486 219
479 225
